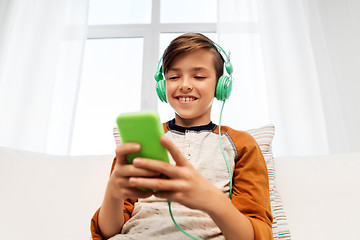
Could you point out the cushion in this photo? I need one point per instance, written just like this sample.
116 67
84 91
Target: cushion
264 136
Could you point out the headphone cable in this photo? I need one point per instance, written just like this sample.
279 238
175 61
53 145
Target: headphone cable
177 225
223 152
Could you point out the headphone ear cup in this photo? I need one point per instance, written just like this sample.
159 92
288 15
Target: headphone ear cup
158 76
228 87
161 90
223 88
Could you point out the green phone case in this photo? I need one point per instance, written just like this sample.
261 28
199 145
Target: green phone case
144 128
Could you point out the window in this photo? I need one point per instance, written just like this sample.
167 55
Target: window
125 41
111 12
110 84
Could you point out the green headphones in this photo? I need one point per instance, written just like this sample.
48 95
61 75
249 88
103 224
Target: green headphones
223 86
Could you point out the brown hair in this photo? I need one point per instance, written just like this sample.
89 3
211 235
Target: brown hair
190 42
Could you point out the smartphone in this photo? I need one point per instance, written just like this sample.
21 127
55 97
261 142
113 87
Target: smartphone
144 128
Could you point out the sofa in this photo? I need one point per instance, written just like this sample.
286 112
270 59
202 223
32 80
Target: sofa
54 197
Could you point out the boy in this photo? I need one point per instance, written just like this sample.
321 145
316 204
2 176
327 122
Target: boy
198 183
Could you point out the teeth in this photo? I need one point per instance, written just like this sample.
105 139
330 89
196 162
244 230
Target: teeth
186 99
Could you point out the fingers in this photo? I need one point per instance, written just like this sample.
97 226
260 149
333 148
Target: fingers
119 185
122 169
145 173
124 149
159 184
174 151
121 189
130 170
157 166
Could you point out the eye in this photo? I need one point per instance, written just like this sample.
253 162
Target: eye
199 77
173 77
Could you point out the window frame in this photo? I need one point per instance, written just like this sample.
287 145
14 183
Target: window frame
151 38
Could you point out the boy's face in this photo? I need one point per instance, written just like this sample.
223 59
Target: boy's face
190 87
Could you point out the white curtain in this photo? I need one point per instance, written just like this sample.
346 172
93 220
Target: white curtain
299 70
41 47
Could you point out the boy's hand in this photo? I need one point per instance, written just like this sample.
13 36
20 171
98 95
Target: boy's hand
185 186
118 185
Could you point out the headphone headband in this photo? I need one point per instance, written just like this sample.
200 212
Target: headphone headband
226 57
222 52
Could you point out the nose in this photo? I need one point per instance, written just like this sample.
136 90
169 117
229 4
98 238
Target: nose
186 85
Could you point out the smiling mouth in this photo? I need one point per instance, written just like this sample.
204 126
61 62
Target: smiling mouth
186 99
